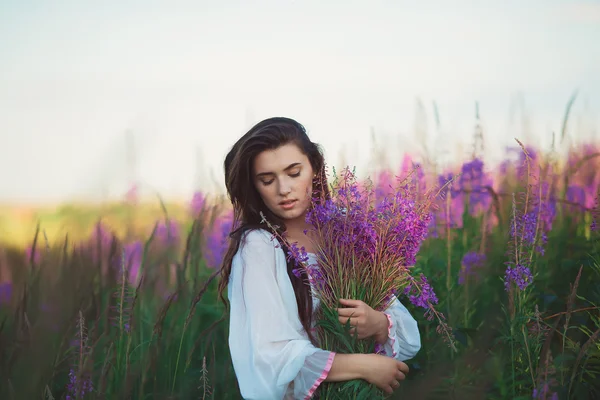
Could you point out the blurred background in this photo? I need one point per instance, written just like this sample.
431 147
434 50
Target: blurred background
96 97
115 118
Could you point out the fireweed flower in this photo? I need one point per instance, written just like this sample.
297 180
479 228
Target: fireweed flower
470 265
421 293
531 228
6 291
575 194
78 388
133 259
519 275
528 229
450 206
217 240
80 382
197 203
167 232
474 182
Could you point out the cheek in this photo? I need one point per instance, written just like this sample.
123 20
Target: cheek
307 185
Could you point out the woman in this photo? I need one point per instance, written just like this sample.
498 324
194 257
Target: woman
274 169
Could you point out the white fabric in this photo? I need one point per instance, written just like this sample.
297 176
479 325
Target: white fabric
271 354
404 339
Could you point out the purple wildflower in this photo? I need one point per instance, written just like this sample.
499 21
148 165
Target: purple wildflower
217 241
6 292
450 215
197 203
544 392
531 228
408 235
76 388
421 293
470 265
576 194
520 275
167 232
133 259
475 181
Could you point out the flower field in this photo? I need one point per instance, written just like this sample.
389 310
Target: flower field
119 300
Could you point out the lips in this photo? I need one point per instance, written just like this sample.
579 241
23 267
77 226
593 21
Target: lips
288 203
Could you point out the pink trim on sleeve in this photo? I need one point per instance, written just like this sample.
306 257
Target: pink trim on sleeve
322 377
390 337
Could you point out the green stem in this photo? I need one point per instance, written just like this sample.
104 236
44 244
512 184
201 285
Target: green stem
177 361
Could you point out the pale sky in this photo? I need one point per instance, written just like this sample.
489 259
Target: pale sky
188 78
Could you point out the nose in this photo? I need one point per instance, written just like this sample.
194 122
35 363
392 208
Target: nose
284 187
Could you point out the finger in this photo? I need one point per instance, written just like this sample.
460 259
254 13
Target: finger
350 302
347 312
344 321
395 385
400 376
388 389
403 367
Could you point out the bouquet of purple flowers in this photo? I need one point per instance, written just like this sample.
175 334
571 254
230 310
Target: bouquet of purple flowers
364 247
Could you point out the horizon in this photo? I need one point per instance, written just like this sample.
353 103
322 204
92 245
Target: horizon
95 97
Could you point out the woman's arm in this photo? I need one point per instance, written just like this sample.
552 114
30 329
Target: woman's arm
403 337
268 346
382 371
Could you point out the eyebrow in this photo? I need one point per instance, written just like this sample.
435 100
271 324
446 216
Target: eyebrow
285 169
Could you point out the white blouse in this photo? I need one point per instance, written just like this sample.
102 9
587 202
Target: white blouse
271 353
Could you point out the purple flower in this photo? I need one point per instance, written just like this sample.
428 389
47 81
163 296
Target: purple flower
520 275
475 181
76 386
217 241
450 215
167 232
197 203
537 221
470 265
421 293
544 392
6 292
576 194
408 235
133 259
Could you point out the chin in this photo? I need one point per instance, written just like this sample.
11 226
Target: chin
291 215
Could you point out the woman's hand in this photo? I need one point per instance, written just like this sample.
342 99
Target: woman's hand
365 321
383 372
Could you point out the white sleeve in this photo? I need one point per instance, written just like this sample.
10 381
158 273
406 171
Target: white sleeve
404 339
272 355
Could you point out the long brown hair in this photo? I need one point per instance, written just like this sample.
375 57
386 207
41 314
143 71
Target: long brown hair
248 204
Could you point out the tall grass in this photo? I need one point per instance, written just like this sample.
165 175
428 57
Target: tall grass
90 318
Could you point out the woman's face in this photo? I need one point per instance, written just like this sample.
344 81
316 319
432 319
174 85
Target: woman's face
283 178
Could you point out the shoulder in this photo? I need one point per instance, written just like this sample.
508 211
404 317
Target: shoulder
258 241
260 249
